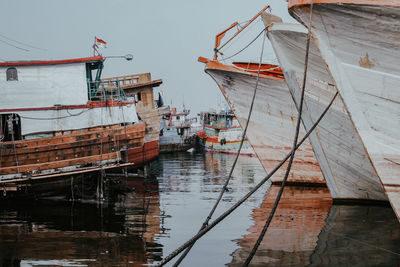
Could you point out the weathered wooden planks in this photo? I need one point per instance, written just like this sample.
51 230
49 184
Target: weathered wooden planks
336 143
360 45
273 121
60 164
78 148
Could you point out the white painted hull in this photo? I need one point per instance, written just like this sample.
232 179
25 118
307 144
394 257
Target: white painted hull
42 121
336 143
361 44
272 124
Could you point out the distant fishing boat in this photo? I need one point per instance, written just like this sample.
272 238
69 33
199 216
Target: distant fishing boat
222 133
175 134
359 41
57 120
336 143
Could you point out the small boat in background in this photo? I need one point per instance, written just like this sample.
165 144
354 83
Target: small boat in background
175 133
58 121
222 133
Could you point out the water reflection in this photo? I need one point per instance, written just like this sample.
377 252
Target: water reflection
119 232
359 236
293 233
129 229
308 231
143 225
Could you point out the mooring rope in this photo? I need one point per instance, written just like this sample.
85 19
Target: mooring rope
100 193
126 138
13 140
246 46
224 188
246 31
244 198
272 213
57 118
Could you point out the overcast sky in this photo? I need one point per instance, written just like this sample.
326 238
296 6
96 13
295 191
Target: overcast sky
165 38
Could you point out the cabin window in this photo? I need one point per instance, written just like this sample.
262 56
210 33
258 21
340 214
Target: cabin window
12 74
178 118
139 96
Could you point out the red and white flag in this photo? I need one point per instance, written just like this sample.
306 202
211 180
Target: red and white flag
100 43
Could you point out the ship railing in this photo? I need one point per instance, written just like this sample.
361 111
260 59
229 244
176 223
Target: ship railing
109 90
220 124
127 81
182 124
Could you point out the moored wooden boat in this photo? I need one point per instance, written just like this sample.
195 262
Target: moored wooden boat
359 41
273 121
336 143
57 121
222 133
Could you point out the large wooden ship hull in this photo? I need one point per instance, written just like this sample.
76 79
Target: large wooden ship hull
273 121
150 150
80 140
359 41
47 165
336 143
58 122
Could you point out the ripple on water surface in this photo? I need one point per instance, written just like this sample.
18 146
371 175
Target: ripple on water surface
144 225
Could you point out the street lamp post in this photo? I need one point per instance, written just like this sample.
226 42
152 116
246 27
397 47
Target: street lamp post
128 57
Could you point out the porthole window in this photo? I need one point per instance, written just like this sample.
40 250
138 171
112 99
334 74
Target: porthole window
12 74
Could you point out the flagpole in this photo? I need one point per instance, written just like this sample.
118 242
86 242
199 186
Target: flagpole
94 49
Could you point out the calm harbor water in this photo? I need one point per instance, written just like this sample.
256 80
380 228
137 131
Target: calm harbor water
140 227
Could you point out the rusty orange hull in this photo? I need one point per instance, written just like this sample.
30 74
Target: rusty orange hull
143 155
83 148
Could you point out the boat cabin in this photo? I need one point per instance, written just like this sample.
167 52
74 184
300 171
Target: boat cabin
39 84
43 97
222 119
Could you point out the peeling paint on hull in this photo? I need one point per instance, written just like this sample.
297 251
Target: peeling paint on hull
336 143
272 124
345 34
